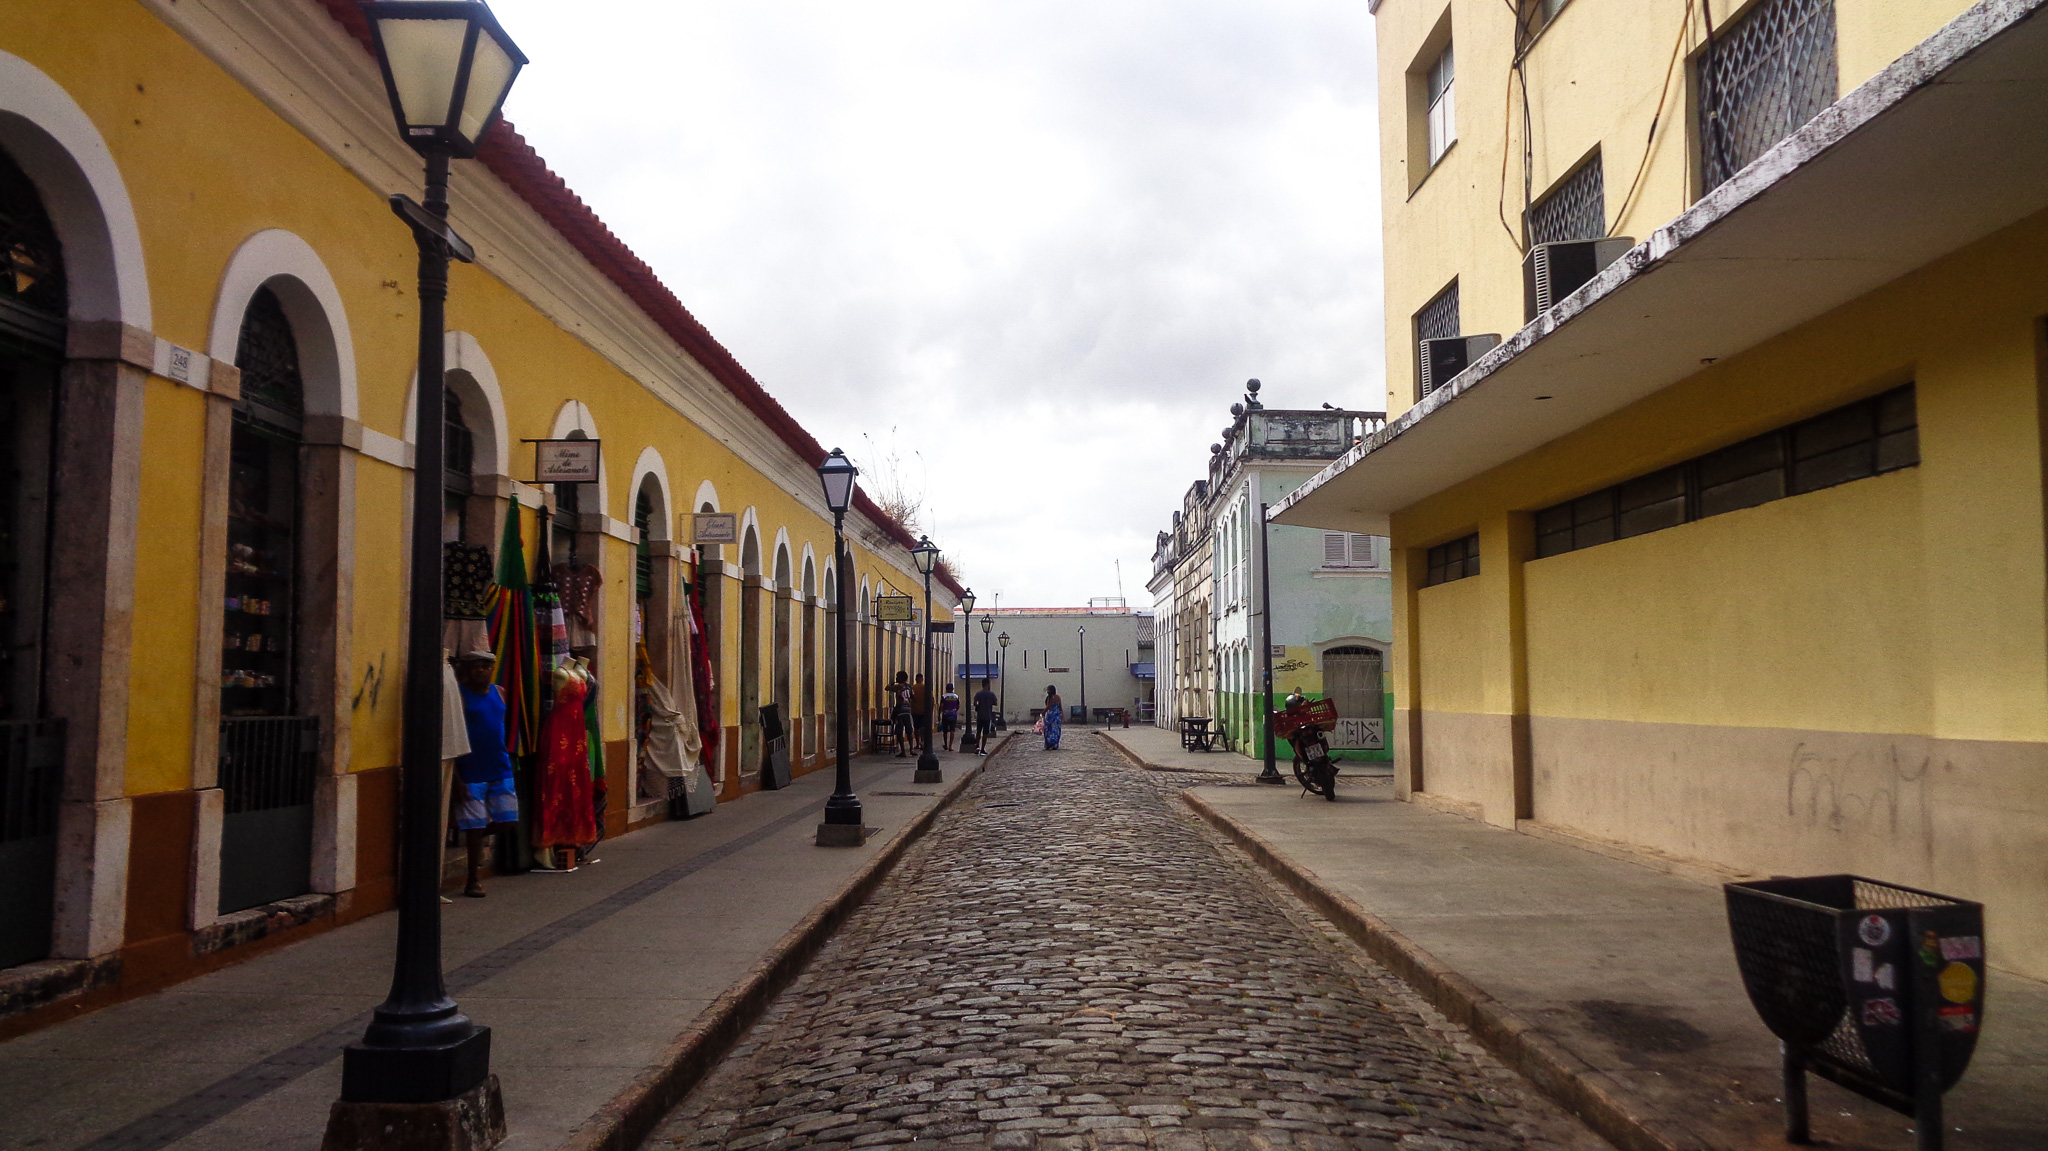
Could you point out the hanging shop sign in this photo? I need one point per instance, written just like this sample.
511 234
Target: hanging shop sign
565 461
715 528
946 626
894 609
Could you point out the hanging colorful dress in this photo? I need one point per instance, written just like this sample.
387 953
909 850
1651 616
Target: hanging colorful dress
566 817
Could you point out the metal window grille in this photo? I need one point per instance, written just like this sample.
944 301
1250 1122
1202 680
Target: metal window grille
1438 319
1862 439
1763 77
1443 105
268 762
1455 560
458 443
643 553
1354 679
268 356
1575 210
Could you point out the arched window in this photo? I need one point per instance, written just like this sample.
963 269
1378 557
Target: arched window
267 752
263 514
458 465
1353 680
31 262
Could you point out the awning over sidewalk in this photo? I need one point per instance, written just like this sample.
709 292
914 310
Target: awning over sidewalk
1942 148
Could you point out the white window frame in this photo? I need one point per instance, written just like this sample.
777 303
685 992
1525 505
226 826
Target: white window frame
1359 552
1442 87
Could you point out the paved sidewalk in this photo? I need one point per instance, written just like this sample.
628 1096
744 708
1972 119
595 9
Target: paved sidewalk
586 980
1624 973
1160 748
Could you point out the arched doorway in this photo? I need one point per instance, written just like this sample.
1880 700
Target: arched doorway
33 304
750 653
1354 678
268 747
814 737
710 587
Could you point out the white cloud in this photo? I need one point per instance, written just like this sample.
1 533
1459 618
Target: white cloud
1044 242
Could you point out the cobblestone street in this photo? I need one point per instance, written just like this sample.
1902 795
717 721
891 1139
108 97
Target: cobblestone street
1069 960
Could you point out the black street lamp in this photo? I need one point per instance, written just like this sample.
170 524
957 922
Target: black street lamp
447 66
1003 681
926 553
843 826
988 624
1271 773
1082 631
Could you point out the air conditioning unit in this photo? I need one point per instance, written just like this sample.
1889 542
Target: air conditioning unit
1550 272
1443 359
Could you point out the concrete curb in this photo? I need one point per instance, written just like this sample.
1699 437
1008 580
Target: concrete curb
1598 1099
632 1115
1140 761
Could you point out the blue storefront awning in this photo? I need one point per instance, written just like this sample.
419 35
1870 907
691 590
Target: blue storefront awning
1142 670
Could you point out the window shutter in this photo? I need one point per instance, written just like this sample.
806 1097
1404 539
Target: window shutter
1361 549
1333 548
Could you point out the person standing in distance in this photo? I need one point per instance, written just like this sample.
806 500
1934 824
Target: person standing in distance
949 715
984 719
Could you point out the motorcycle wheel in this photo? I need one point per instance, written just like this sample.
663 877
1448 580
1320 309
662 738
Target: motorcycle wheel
1302 776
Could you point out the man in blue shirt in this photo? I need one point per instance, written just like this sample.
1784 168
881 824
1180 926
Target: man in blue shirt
487 798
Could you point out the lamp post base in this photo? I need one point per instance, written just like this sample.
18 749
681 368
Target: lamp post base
844 834
472 1121
930 774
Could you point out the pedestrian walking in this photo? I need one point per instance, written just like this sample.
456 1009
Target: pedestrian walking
984 719
488 800
921 712
1052 718
899 713
949 716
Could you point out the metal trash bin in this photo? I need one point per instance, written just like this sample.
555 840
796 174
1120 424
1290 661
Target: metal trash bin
1876 987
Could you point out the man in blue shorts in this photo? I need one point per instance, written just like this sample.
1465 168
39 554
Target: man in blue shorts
487 798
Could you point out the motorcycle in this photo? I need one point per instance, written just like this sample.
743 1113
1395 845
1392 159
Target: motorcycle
1303 724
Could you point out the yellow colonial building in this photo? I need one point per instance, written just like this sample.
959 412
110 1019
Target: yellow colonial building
207 331
1715 330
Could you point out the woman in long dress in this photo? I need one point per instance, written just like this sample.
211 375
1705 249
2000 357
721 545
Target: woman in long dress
565 818
1052 718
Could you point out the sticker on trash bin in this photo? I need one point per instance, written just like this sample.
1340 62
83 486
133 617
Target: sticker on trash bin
1860 966
1881 1012
1874 930
1887 978
1962 947
1958 982
1958 1019
1930 948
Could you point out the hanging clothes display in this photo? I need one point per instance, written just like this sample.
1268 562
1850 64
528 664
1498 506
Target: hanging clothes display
514 641
593 742
704 688
581 589
565 817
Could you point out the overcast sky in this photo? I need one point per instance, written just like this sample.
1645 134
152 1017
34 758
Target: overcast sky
1036 247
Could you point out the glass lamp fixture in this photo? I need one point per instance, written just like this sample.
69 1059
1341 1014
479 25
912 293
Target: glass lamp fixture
987 625
1003 640
967 602
447 66
836 473
926 553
